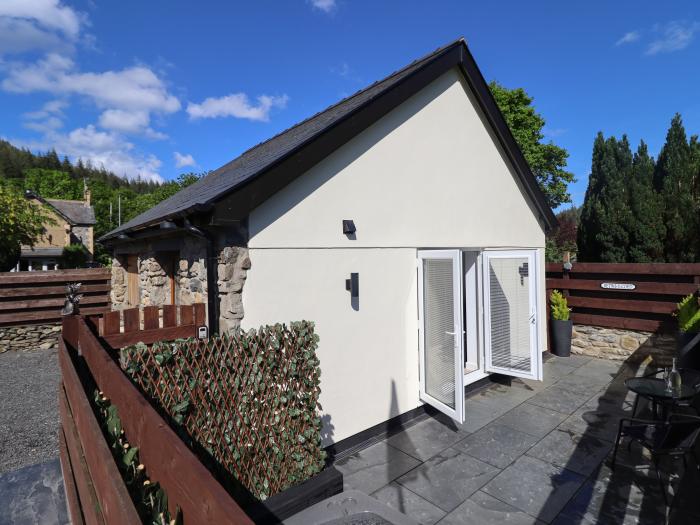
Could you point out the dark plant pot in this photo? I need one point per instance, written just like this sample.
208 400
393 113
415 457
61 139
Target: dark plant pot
561 337
688 355
277 508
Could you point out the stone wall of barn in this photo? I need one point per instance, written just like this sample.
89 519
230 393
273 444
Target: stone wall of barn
619 344
190 275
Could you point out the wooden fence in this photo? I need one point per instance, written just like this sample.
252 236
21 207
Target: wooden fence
37 297
635 296
95 490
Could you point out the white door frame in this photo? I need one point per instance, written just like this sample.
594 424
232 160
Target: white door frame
456 413
533 274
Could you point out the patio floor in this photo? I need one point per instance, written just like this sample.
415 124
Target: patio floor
531 452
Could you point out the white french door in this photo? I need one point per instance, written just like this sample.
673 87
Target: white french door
441 331
510 313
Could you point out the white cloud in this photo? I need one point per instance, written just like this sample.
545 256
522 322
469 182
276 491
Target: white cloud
183 160
324 5
628 38
127 96
673 36
46 119
26 25
101 149
237 105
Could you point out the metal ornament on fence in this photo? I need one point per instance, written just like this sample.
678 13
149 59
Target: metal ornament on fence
70 306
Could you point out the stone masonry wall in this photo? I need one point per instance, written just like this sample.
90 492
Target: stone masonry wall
118 293
233 264
619 344
191 273
29 337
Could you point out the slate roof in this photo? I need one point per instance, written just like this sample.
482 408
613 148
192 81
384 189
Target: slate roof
260 158
75 211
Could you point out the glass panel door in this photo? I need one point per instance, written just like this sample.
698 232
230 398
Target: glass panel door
441 331
510 297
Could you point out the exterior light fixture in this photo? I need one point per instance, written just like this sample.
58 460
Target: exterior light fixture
353 285
349 227
167 225
123 237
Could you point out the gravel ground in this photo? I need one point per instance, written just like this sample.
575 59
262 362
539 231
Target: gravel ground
28 408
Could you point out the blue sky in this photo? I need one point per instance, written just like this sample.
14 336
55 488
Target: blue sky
160 88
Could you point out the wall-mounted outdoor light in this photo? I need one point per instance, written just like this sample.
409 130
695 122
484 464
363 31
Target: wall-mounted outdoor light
167 225
353 285
349 227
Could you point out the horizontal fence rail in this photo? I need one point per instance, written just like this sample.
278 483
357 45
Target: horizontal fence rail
37 297
122 328
635 296
187 482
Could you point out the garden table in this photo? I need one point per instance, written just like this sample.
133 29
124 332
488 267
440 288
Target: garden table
654 388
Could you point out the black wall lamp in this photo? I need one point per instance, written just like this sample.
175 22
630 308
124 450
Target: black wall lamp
353 285
349 227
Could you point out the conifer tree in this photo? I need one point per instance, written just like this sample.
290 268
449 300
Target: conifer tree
675 181
647 231
606 216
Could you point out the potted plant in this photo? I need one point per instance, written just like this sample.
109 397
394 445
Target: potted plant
561 325
688 315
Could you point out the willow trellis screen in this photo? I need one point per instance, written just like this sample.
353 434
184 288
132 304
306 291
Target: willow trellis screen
249 398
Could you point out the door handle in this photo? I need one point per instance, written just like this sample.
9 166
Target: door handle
455 333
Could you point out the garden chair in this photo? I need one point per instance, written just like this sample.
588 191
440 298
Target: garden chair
673 438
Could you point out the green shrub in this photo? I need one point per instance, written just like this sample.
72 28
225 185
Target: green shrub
75 256
250 399
559 306
149 498
688 314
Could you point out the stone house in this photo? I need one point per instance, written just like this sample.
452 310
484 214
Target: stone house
72 222
403 220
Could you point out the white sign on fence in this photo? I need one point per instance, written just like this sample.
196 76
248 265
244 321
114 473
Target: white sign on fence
618 286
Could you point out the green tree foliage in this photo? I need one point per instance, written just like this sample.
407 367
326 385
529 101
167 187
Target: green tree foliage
563 238
21 223
546 160
647 230
75 256
675 179
53 178
606 217
657 204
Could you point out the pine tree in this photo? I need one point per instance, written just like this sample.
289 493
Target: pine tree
675 181
606 217
647 231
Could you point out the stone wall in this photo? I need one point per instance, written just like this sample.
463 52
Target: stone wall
619 344
233 264
29 337
190 274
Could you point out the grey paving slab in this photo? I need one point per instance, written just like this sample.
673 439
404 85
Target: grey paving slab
574 360
622 497
532 419
536 487
482 509
409 503
502 398
603 425
600 368
427 438
33 495
556 369
371 468
583 384
477 415
564 448
559 398
449 478
496 444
